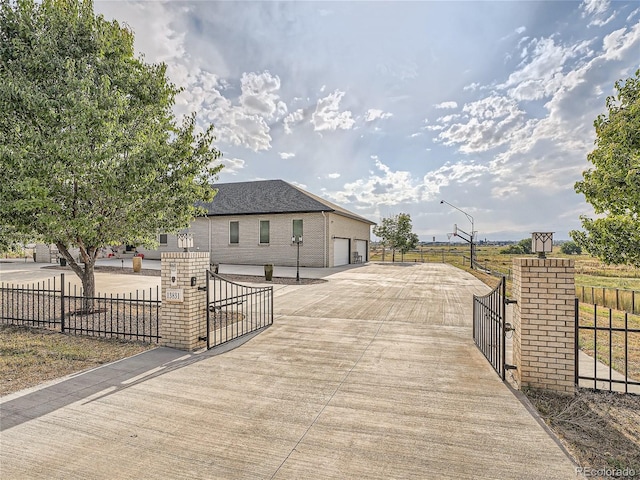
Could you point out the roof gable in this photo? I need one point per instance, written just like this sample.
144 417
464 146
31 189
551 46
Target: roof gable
268 197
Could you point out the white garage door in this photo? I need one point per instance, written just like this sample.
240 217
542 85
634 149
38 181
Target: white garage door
340 251
361 248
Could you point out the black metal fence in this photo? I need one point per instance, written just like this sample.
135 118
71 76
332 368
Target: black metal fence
234 310
607 345
56 305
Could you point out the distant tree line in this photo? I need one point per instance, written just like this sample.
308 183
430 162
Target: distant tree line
523 247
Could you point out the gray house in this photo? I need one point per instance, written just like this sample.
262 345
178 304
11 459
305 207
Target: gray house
253 223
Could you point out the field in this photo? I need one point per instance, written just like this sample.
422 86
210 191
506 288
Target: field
589 271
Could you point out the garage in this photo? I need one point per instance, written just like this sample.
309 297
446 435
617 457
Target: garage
340 251
361 248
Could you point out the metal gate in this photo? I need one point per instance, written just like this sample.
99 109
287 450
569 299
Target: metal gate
234 310
490 326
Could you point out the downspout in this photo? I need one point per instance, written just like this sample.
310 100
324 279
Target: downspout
326 244
210 229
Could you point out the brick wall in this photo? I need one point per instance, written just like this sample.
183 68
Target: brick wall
212 234
182 323
544 316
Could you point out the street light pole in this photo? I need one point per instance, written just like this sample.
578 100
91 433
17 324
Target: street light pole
471 236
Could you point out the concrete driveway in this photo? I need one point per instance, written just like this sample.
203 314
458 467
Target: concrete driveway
372 374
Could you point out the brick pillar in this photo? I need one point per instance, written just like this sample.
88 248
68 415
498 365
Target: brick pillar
183 317
543 318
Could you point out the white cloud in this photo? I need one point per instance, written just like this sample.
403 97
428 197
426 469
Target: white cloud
633 14
472 86
450 173
231 165
292 119
448 118
384 187
245 123
374 114
260 95
286 155
594 7
521 30
597 10
327 115
488 123
621 42
543 73
446 105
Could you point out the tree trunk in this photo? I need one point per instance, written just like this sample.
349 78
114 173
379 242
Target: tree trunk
88 286
84 272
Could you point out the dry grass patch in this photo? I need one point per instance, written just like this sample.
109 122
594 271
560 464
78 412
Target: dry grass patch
30 356
600 429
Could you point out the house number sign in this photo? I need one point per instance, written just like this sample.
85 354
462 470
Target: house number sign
175 295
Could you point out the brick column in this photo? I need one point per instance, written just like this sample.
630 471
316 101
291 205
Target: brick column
543 319
183 318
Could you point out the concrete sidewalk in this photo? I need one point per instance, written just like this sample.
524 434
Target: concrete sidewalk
372 374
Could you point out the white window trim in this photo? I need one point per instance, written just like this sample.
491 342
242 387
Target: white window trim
260 232
238 242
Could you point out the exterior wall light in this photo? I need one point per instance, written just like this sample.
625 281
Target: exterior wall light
185 240
542 243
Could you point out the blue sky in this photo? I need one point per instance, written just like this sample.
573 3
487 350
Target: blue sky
389 107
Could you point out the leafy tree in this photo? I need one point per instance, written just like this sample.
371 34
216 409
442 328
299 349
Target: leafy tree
405 239
612 187
512 249
571 248
395 232
523 247
386 232
90 152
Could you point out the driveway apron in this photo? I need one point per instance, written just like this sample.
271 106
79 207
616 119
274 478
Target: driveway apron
372 374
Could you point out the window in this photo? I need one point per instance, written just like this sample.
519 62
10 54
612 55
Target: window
234 232
163 239
264 231
297 228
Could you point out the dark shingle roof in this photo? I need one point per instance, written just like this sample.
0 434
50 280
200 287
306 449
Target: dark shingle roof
267 197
